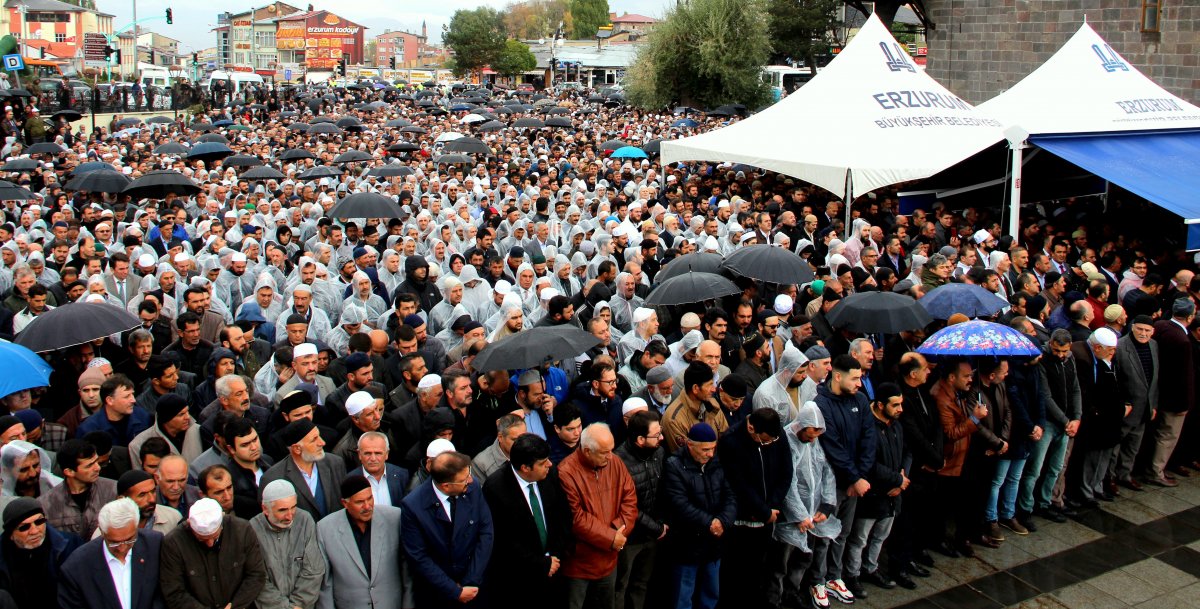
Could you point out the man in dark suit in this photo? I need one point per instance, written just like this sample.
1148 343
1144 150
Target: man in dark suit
446 528
892 257
307 461
532 522
1178 390
1137 371
388 482
88 576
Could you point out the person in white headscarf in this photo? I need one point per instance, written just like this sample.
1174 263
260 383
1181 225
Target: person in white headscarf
645 329
624 302
495 301
476 291
440 315
20 473
808 520
526 288
363 297
860 238
508 321
351 323
450 337
835 258
564 281
390 273
780 392
266 296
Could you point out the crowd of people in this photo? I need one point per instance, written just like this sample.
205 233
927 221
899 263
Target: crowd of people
297 420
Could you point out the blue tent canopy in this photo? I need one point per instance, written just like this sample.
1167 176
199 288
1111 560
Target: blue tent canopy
1161 166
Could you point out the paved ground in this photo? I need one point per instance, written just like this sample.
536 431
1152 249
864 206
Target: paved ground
1141 551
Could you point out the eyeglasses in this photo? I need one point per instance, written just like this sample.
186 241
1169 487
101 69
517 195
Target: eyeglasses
25 526
771 327
608 382
128 543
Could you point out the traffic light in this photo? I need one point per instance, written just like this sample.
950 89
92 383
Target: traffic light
393 62
195 58
342 65
113 56
151 55
43 51
170 17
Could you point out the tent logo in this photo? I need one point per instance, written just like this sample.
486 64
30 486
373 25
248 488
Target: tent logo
898 60
1109 60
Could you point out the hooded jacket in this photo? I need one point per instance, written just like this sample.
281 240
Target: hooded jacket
813 484
426 291
695 495
849 439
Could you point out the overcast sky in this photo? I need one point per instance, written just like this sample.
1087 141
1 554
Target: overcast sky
195 20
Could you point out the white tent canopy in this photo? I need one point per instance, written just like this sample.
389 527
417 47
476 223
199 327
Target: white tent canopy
869 119
1087 87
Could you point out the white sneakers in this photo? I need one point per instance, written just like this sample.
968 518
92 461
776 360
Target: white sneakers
837 589
820 598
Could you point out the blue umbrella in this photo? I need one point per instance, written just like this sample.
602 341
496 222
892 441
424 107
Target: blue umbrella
685 122
970 300
130 132
978 338
462 108
629 152
222 123
23 369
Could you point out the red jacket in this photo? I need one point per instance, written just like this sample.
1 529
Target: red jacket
956 425
601 500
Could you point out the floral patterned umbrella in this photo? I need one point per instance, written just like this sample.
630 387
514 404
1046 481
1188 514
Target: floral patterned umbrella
978 337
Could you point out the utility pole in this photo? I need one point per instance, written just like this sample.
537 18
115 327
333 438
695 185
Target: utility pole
136 54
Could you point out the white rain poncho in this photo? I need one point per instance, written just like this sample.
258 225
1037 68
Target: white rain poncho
812 484
11 457
774 393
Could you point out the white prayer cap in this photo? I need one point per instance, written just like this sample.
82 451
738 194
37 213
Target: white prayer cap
231 215
429 380
548 293
981 236
437 447
146 260
276 490
1104 337
205 516
503 287
304 350
641 314
94 298
783 304
633 405
302 287
237 257
182 257
358 402
619 231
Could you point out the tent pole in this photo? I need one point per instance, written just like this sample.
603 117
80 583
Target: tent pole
1017 143
849 199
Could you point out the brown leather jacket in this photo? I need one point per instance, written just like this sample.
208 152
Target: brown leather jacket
956 424
602 501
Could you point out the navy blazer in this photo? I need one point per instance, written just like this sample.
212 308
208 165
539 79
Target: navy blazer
445 557
85 581
397 481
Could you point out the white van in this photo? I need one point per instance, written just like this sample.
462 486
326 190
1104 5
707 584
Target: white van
237 80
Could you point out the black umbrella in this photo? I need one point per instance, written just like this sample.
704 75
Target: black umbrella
128 121
528 123
91 166
613 145
534 347
12 192
397 123
691 287
209 151
157 120
391 171
559 121
45 148
469 145
213 138
723 111
70 115
242 160
320 171
324 129
19 93
770 264
700 262
504 110
365 205
264 172
558 111
595 99
491 126
414 129
23 164
302 127
171 148
201 126
878 312
349 123
321 119
157 184
352 156
403 147
296 154
653 147
75 324
454 159
99 181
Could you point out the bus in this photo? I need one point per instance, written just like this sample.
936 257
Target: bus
785 79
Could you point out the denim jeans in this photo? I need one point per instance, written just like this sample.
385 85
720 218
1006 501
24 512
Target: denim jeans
1042 469
1005 483
697 586
868 534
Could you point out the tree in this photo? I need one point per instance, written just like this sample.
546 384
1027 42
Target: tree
533 19
588 16
476 37
704 53
802 29
516 58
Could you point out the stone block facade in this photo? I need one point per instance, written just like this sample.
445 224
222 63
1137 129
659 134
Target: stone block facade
980 48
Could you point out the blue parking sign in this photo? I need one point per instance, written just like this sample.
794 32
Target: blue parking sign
14 63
